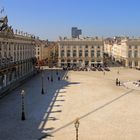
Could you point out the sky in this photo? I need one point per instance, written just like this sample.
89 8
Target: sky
50 19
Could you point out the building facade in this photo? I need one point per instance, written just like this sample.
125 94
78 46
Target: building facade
130 52
52 54
80 52
17 56
108 45
125 50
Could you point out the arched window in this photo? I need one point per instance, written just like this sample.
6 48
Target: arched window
135 54
98 53
130 53
62 53
80 53
62 61
86 53
68 53
92 53
74 53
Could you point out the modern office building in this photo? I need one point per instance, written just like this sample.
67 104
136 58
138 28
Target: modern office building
17 56
80 52
75 32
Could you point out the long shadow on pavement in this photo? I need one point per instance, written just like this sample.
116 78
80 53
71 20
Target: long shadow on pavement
89 113
38 107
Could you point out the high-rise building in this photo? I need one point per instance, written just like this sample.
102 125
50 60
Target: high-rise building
75 32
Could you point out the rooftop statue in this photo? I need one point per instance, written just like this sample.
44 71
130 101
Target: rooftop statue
4 28
3 23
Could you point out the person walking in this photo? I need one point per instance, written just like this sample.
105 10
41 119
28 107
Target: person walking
117 81
48 78
67 77
58 78
57 73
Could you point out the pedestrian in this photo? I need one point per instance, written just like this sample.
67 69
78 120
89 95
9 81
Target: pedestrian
48 78
51 79
119 83
57 73
67 77
104 72
58 78
116 81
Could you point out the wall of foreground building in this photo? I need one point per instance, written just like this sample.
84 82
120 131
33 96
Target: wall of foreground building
17 60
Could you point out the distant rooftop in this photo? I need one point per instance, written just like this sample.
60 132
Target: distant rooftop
80 39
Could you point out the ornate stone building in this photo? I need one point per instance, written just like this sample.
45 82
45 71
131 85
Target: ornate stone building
80 52
17 56
125 50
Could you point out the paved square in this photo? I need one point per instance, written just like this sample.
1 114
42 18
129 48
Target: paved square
105 111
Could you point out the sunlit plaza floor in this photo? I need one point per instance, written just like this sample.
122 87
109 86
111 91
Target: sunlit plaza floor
105 111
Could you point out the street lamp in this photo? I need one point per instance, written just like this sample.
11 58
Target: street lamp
22 101
77 126
42 79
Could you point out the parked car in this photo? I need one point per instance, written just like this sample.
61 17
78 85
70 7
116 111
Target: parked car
106 69
99 69
93 69
137 68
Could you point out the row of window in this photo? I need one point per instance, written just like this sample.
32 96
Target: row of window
69 61
135 47
135 63
86 46
80 54
17 47
5 54
130 54
16 56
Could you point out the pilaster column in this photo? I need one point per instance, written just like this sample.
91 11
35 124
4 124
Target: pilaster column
101 51
89 55
77 51
83 51
95 51
139 64
133 64
59 51
59 62
65 51
95 54
126 63
71 51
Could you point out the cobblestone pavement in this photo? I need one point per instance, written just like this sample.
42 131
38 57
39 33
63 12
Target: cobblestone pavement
105 111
